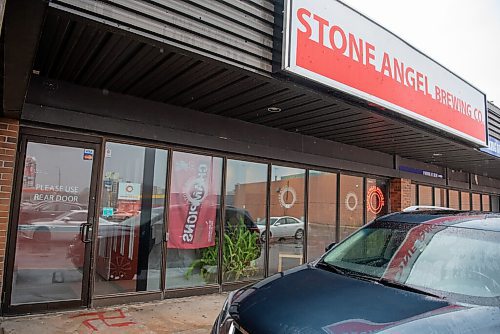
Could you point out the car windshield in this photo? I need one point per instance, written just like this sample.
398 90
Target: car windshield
451 261
271 221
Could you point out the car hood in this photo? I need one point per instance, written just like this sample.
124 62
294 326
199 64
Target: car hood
312 300
261 228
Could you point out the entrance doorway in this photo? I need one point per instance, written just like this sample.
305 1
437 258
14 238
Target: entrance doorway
55 218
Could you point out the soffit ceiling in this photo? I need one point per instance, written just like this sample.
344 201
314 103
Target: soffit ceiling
85 53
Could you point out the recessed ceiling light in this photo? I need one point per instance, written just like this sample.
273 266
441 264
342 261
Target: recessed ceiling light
274 109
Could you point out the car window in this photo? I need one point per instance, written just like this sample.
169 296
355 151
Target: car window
373 246
64 207
459 262
49 207
78 216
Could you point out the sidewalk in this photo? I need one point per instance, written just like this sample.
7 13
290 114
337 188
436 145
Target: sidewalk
194 315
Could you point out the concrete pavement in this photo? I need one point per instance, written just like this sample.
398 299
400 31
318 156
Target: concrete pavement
194 315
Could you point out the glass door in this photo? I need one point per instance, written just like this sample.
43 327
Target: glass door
55 221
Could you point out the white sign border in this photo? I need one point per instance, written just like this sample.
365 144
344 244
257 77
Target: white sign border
309 75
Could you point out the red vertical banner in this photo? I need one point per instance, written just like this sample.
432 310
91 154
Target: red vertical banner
194 196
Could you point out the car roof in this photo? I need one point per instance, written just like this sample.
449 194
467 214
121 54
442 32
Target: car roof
464 219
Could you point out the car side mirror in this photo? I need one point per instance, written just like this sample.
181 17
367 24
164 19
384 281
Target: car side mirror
330 246
66 219
277 224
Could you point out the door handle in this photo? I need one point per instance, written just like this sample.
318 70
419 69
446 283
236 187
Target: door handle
85 230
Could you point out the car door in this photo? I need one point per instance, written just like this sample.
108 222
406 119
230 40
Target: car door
278 229
294 225
71 226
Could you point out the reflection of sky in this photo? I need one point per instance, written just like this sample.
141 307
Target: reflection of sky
243 172
60 165
278 173
128 161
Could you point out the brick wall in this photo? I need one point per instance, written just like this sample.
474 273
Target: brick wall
9 131
400 190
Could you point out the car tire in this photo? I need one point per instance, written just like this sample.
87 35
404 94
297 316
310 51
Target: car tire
299 234
263 236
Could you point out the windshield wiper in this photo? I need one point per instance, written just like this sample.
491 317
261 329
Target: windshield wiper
402 286
347 272
332 268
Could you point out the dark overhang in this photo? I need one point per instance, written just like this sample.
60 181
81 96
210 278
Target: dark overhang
84 52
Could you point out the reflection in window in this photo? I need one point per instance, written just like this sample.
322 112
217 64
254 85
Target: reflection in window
287 218
476 202
440 197
322 212
424 195
465 201
351 204
50 254
413 194
454 199
132 218
376 199
244 218
193 224
486 202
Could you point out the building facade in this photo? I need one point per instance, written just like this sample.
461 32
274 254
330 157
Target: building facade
155 149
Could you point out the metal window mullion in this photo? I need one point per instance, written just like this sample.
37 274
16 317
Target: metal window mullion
220 261
268 216
306 216
168 186
337 211
433 196
364 201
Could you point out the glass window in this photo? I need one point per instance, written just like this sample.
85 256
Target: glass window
440 197
413 194
476 202
49 253
424 195
244 219
351 204
454 200
384 249
465 201
486 202
322 212
376 198
287 201
193 224
130 235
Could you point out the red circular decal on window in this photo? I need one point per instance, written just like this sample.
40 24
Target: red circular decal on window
376 200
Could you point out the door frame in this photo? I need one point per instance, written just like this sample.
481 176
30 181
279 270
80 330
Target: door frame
63 139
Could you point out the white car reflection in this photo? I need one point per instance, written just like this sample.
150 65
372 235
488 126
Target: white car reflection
282 227
64 227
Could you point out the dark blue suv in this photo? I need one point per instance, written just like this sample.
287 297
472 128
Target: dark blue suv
409 272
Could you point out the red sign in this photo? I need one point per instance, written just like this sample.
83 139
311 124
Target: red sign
329 43
194 198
